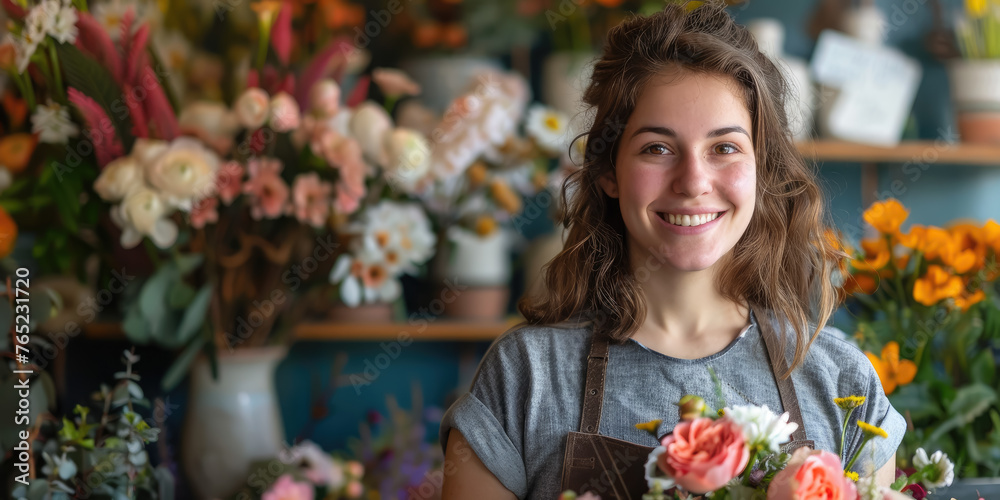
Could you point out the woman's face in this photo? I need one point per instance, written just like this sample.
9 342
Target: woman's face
685 173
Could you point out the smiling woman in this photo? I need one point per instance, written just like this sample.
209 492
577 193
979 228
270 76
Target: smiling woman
696 241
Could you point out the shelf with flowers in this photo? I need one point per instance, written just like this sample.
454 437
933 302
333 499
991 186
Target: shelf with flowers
928 317
973 76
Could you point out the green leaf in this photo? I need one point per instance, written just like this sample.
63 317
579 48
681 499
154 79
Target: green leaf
916 398
983 367
90 78
135 326
180 367
181 294
194 316
972 401
153 301
188 263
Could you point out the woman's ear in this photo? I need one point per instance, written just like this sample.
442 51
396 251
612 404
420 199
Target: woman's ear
609 184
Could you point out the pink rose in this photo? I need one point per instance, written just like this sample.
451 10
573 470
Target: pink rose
703 455
286 488
812 474
285 115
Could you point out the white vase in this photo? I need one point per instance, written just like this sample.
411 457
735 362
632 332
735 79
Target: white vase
477 260
975 84
233 421
565 76
443 78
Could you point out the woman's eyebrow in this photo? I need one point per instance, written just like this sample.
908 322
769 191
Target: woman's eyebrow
670 132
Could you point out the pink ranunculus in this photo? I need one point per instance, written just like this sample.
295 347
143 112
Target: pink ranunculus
286 488
812 474
311 199
204 212
285 115
229 181
268 193
252 108
347 200
703 455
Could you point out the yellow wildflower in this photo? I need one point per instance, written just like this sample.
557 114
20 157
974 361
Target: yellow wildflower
872 431
853 476
850 402
650 426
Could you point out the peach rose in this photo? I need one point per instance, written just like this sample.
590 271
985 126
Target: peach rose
703 455
812 474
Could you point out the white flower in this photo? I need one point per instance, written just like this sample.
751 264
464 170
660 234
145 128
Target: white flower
252 108
184 172
549 128
943 472
24 47
52 123
320 468
119 178
42 18
146 151
144 213
369 126
110 14
210 121
364 277
408 158
64 27
651 478
761 427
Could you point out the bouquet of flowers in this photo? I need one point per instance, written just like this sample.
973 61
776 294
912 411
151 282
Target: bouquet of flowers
926 310
735 453
304 472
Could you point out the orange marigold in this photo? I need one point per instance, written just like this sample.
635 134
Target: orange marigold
965 301
892 371
938 284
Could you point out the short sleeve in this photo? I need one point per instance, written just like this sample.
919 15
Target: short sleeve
490 416
877 411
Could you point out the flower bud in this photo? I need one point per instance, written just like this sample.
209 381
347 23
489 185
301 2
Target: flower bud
691 407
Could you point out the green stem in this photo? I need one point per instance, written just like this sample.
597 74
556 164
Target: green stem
750 464
843 433
152 251
56 72
24 88
858 453
265 38
390 103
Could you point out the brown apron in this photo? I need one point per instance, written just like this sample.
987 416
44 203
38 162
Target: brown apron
615 469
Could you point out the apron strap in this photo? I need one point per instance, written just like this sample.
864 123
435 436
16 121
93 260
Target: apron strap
593 394
786 389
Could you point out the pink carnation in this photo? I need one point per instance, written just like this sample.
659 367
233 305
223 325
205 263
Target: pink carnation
812 474
703 455
286 488
268 191
229 181
204 212
311 199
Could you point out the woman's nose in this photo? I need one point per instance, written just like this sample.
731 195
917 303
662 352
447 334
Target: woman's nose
693 175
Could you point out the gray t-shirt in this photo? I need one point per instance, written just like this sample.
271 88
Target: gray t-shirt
526 396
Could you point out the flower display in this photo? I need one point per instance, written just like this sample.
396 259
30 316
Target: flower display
812 474
704 454
286 488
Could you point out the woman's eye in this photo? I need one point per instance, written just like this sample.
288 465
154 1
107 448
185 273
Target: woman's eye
657 149
725 149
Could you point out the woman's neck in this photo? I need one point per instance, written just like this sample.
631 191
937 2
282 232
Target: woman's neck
686 310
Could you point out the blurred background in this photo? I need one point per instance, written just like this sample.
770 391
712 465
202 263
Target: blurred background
266 243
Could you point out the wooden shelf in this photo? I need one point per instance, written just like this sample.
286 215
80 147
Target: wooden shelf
926 152
442 329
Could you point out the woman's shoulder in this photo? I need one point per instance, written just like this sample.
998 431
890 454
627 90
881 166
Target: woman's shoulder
834 356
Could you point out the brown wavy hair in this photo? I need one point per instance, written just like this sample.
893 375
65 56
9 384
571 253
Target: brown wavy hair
783 262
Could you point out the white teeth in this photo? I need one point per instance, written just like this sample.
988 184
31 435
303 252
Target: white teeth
690 220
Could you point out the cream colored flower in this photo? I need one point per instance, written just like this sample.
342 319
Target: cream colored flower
369 125
52 123
324 98
549 128
184 172
210 121
119 178
285 115
252 108
942 471
144 213
408 158
394 82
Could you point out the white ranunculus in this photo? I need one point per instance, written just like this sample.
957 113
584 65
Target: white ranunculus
144 213
184 173
407 158
146 151
761 427
119 178
369 126
943 472
252 108
651 478
549 128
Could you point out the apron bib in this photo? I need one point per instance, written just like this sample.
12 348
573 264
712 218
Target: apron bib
616 469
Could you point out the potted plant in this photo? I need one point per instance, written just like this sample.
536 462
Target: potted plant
975 78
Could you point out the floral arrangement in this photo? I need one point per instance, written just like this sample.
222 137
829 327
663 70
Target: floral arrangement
304 472
736 453
978 30
926 312
105 458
